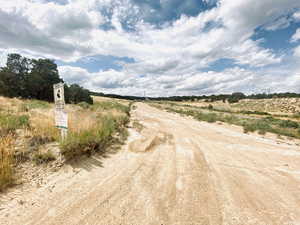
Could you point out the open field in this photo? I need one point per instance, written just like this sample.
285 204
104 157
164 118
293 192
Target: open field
29 138
173 170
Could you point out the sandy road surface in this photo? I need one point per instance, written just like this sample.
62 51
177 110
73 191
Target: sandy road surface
176 172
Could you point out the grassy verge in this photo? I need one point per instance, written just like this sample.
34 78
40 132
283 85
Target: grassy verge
27 126
261 125
108 121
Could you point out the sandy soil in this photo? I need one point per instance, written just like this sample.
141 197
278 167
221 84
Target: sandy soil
177 171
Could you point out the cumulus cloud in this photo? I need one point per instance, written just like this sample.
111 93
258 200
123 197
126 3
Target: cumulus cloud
169 50
227 81
296 36
296 16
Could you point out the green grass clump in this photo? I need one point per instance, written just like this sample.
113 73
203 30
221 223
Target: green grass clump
208 117
33 104
288 124
43 157
255 113
9 123
257 125
94 139
108 105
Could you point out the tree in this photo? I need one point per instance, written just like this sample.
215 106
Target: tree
76 94
34 78
235 97
43 75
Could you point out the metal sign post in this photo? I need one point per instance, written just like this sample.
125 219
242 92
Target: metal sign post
61 117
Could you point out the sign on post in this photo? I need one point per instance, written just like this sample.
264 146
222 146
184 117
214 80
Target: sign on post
61 117
59 96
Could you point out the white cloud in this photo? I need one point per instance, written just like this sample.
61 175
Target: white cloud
296 15
3 59
296 36
297 51
227 81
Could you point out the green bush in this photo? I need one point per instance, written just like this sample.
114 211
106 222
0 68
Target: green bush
288 124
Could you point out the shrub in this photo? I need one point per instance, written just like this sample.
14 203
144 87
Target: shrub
208 117
210 107
256 125
91 140
288 124
232 100
43 157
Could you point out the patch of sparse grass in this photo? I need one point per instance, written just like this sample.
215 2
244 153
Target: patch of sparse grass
137 125
93 139
288 124
6 162
84 105
43 157
33 104
254 112
10 122
111 105
296 115
250 124
43 129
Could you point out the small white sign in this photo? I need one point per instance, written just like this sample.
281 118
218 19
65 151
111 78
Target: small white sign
61 119
59 96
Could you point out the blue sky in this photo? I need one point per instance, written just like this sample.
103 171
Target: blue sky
163 47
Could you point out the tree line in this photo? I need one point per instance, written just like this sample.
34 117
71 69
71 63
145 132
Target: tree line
231 98
34 78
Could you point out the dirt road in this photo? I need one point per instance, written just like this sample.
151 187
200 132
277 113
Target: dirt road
176 172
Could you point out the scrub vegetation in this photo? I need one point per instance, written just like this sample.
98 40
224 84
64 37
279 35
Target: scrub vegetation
27 129
251 121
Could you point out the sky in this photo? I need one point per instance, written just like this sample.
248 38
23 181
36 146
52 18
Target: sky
162 47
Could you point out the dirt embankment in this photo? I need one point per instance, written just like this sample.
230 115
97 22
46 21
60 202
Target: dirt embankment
176 171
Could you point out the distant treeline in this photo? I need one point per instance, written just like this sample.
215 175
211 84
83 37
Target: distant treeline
231 98
34 79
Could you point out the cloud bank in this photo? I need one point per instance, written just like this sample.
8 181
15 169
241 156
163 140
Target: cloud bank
173 45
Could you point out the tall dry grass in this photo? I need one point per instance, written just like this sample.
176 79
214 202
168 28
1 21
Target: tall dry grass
42 125
6 162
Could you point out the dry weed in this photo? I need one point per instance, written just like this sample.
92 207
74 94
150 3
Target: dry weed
6 162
